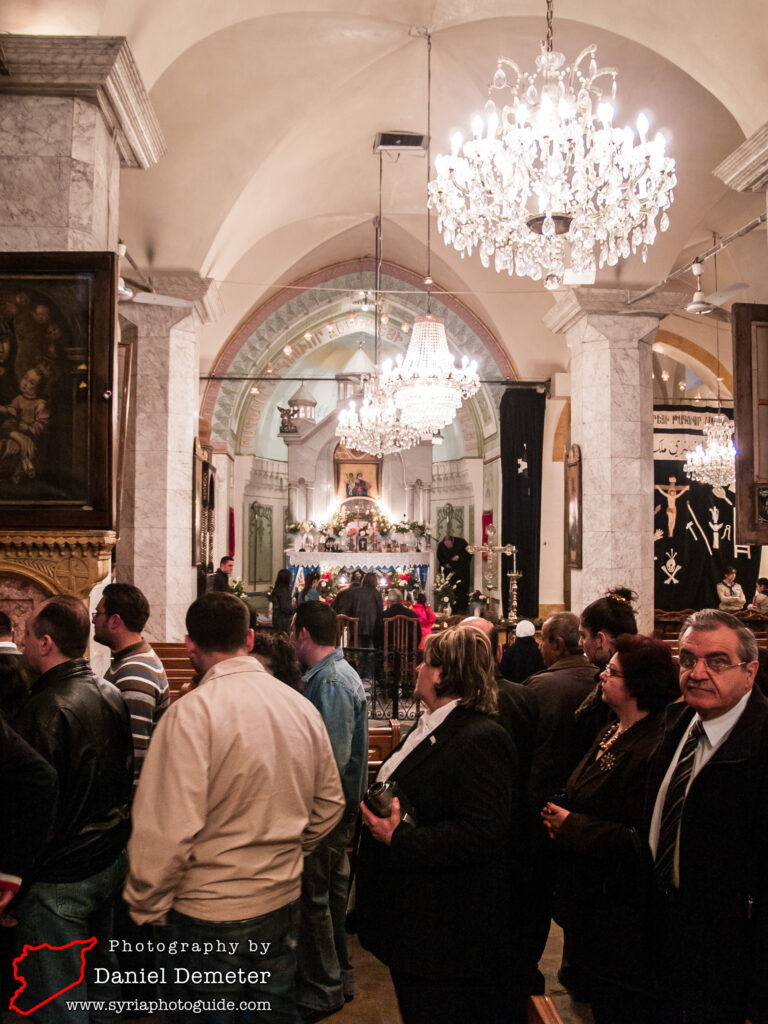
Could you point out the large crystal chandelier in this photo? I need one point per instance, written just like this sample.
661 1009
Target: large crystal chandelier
714 463
428 387
375 425
547 183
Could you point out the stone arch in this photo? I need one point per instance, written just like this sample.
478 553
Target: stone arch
693 355
309 314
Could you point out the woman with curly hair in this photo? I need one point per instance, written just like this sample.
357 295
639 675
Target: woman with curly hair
433 897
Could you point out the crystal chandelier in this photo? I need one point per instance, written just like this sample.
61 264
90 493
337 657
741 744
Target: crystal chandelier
428 387
375 427
714 463
548 184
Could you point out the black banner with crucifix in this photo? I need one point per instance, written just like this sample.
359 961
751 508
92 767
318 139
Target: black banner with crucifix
694 523
522 441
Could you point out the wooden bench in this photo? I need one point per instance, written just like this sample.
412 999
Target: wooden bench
381 743
178 667
541 1010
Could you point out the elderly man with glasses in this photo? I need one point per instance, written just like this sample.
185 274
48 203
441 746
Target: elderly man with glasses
709 831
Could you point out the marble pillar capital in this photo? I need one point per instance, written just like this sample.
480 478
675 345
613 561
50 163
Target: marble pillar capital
96 68
155 320
609 308
201 292
746 169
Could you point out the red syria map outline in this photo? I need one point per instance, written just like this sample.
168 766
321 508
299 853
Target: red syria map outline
85 943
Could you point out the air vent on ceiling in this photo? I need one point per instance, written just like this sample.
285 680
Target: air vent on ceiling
401 142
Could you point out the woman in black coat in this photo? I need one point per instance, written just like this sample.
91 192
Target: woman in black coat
603 894
433 898
282 604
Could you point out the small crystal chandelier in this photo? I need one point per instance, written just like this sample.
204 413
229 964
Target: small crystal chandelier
375 427
714 464
428 387
548 181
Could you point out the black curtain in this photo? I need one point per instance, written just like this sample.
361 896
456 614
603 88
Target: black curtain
522 439
695 539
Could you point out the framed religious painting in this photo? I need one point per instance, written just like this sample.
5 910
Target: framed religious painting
573 507
58 383
356 474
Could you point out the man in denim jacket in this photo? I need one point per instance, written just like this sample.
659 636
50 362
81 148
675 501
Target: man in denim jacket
325 979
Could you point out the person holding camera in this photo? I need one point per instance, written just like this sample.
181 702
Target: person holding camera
433 899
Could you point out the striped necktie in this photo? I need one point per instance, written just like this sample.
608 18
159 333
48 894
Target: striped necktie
669 830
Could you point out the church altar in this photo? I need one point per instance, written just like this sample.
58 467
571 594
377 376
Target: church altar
419 563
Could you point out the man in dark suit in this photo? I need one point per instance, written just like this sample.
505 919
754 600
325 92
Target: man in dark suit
560 688
222 574
709 832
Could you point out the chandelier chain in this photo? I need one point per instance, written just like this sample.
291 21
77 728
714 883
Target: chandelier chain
549 26
429 165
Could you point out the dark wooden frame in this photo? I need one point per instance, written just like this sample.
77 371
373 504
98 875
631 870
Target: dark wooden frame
96 322
124 371
750 376
573 521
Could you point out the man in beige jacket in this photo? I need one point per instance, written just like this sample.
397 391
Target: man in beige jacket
239 783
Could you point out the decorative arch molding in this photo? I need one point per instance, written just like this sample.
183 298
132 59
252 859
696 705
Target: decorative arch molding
295 310
688 351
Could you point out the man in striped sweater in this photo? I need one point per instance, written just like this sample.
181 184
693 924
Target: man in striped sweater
136 670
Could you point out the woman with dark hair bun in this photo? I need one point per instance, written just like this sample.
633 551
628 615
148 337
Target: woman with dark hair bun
603 891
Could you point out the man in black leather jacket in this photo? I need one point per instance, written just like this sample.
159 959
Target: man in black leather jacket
81 726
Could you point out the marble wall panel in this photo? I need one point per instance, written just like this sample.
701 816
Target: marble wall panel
21 238
35 126
83 241
34 192
625 476
89 139
82 200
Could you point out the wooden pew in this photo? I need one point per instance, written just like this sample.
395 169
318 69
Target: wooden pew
381 743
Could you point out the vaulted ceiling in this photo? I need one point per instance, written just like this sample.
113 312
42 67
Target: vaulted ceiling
270 108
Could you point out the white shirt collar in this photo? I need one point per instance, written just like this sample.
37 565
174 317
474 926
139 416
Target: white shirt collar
716 729
432 719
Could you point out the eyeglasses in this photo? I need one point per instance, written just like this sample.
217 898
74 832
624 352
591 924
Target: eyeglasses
609 670
715 663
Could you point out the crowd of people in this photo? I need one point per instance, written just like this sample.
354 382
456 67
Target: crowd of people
196 851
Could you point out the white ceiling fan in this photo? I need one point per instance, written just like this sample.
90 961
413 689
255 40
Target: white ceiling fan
143 291
710 305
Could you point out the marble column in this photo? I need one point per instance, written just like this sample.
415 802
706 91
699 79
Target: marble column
612 422
154 551
72 111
